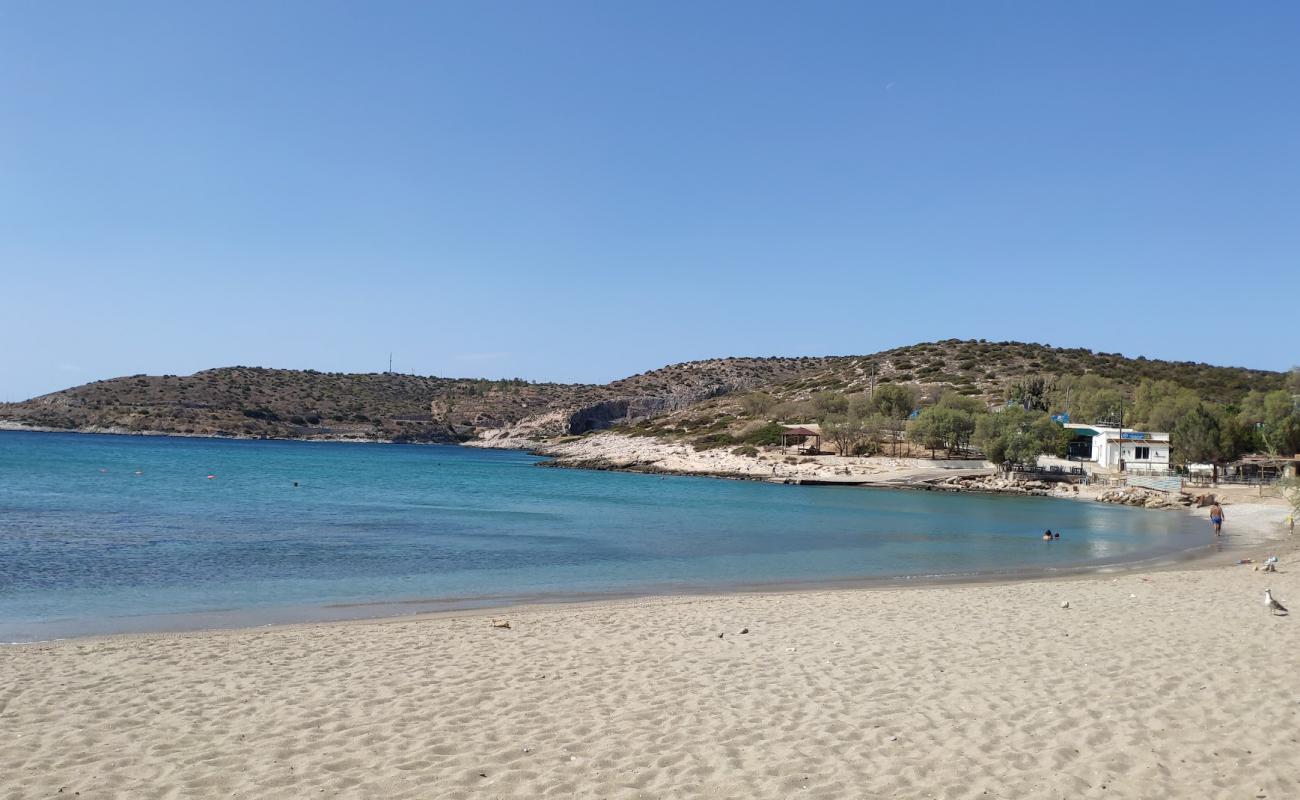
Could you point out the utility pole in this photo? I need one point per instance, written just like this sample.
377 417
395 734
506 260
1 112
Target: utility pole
1121 433
390 363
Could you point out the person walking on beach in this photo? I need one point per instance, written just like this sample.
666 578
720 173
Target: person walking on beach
1216 517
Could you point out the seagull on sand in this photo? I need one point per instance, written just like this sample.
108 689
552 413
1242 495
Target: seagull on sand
1273 606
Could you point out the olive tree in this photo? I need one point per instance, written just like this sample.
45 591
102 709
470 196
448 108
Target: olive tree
1197 439
845 430
1018 435
926 430
756 404
942 426
894 402
831 403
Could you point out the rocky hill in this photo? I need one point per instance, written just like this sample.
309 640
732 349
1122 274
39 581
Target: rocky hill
722 400
683 399
276 403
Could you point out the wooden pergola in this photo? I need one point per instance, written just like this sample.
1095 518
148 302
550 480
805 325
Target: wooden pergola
799 435
1263 467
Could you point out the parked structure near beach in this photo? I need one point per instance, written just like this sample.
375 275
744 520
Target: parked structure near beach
1118 449
800 435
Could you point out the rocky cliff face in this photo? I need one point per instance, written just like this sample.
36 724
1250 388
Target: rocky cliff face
599 416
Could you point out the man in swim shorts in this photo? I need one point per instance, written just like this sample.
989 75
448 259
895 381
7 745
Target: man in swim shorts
1216 517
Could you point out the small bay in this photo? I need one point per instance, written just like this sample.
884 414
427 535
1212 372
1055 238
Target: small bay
105 534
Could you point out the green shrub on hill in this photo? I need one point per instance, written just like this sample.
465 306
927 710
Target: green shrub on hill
766 436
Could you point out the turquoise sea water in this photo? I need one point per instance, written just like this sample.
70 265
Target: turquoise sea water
119 533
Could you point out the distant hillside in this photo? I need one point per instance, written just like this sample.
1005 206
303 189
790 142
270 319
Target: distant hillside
278 403
258 402
1081 381
986 368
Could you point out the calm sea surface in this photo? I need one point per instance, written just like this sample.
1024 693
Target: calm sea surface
117 533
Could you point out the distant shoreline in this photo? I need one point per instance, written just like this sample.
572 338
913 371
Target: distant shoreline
555 457
18 427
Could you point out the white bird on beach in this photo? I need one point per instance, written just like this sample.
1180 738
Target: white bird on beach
1273 606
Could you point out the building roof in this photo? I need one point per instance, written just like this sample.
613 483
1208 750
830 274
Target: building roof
1108 430
1262 460
800 431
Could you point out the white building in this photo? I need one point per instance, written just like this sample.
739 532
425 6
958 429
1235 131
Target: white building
1118 449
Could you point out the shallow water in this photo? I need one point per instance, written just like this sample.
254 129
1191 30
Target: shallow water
117 533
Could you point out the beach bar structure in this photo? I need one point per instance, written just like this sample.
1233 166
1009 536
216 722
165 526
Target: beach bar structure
799 435
1118 449
1262 468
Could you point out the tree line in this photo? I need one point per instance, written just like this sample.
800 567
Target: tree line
960 425
1203 431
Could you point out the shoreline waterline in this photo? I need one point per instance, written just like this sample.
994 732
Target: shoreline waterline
738 695
1214 555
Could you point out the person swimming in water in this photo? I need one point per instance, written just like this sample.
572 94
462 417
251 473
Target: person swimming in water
1047 535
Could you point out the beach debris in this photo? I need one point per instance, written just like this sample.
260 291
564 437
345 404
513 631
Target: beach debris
1065 604
501 623
720 635
744 630
1273 606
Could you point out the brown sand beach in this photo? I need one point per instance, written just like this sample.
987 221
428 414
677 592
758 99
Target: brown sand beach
1170 683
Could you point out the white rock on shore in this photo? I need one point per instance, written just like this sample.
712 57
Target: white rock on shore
1147 498
609 450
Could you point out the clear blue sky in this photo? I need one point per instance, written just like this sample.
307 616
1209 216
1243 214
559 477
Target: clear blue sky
580 191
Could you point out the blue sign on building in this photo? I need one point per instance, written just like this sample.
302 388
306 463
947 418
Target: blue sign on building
1134 435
